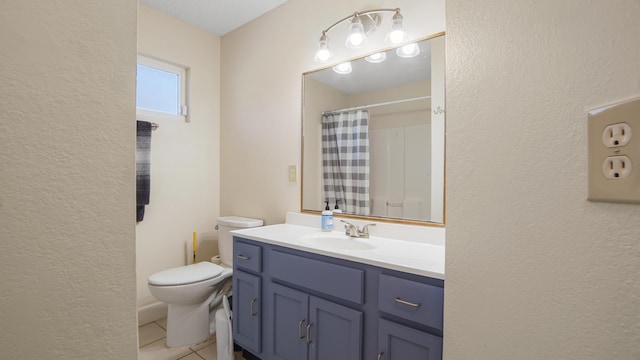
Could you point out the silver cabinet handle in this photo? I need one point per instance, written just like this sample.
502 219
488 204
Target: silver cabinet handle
300 334
242 257
380 355
251 307
404 302
309 341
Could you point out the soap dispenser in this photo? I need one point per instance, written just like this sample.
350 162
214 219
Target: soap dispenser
327 218
336 209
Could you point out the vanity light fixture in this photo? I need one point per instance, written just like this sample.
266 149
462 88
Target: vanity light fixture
408 51
361 24
343 68
376 58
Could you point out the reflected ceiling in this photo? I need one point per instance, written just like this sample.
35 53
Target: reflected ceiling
368 77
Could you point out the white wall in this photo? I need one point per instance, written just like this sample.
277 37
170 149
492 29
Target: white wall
184 156
534 270
400 146
67 189
263 63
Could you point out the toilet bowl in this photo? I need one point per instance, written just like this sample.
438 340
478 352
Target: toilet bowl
190 291
194 292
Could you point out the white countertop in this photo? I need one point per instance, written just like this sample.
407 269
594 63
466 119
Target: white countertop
420 258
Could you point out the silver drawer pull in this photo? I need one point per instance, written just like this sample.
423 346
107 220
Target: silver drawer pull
251 307
242 257
404 302
309 341
300 334
380 355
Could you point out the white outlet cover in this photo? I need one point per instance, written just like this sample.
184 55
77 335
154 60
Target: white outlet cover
606 159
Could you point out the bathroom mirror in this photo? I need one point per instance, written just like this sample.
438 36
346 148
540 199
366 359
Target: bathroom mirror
373 135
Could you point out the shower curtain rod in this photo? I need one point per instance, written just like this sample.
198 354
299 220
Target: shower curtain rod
376 105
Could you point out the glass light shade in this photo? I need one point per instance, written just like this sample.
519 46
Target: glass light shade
376 58
357 36
408 51
344 68
323 54
396 35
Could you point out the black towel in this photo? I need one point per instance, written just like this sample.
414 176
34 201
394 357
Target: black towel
143 167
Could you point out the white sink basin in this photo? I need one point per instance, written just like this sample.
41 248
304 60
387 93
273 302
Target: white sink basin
335 241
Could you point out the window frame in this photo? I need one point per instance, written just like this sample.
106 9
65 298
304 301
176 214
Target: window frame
182 73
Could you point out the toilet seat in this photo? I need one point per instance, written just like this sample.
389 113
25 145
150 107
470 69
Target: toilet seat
187 274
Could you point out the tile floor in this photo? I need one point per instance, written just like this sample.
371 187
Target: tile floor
151 338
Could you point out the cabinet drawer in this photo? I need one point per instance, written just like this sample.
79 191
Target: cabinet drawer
335 280
246 256
411 300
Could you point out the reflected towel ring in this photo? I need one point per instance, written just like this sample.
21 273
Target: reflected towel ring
439 110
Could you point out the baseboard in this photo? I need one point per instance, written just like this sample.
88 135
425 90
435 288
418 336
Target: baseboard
151 312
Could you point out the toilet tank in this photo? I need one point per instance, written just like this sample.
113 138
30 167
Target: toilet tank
225 240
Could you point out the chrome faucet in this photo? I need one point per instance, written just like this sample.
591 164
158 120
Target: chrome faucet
353 230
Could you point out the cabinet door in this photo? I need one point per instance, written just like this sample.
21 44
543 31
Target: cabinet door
288 323
247 314
335 331
398 342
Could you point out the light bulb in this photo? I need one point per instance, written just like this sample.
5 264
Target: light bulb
396 36
376 58
323 55
408 51
356 39
344 68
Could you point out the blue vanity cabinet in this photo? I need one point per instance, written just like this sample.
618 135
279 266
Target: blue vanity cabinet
308 306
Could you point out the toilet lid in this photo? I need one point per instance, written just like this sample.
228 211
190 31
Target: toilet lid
186 274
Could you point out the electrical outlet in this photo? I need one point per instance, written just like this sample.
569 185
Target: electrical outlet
616 135
613 151
616 167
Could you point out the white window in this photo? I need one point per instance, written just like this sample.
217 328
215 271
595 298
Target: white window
161 90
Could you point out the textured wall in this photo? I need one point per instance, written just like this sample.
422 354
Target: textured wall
534 270
262 64
67 137
185 157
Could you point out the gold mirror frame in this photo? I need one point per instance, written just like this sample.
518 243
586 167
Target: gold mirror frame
362 217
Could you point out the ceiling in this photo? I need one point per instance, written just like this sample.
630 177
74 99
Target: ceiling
215 16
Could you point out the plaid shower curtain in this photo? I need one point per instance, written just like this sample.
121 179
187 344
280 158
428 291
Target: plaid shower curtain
345 160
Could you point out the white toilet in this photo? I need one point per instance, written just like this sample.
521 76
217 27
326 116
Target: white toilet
193 292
